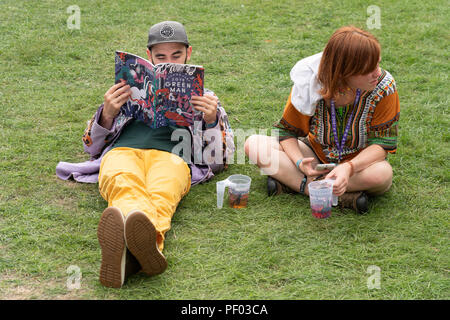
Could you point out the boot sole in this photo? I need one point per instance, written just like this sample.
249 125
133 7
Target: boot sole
111 237
140 237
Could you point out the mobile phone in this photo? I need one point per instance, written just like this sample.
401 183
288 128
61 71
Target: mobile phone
325 166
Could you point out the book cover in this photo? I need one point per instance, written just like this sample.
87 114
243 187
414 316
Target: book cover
160 93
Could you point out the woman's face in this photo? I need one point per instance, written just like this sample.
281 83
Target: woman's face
366 82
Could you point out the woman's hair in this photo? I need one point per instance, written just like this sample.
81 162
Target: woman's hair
350 51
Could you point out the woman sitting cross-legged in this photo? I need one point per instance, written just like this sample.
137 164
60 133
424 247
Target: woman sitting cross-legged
343 109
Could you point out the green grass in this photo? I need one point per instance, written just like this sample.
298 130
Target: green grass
53 79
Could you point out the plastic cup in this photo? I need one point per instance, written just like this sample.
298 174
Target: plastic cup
238 190
335 200
321 198
335 197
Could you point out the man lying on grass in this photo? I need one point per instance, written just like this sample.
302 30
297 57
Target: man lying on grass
139 173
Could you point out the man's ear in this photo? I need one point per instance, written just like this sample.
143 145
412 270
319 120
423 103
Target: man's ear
149 55
188 53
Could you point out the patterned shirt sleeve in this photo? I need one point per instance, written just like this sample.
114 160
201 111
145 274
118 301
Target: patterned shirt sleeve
383 128
292 123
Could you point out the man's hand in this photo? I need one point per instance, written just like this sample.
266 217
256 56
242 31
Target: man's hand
114 98
206 104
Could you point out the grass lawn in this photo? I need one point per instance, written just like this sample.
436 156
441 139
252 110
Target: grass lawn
54 78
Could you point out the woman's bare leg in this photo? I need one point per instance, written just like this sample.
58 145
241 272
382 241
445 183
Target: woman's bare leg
375 179
267 153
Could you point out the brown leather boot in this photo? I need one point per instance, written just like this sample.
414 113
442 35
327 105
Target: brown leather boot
358 201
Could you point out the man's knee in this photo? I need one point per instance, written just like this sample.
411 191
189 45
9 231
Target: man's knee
121 180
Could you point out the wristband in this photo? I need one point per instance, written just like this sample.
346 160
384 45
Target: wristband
298 163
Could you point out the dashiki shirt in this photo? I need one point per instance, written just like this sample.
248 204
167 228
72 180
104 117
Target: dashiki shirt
375 121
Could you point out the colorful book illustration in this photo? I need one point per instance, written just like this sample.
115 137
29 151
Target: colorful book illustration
160 93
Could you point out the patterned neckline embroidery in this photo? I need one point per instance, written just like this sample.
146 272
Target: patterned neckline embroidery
322 129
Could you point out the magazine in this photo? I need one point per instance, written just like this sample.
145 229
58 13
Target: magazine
161 93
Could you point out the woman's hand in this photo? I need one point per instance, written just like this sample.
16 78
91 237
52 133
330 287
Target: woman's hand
341 175
307 167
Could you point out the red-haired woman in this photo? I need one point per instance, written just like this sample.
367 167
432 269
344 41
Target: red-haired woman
343 109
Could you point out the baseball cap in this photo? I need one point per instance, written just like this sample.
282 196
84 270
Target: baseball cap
167 31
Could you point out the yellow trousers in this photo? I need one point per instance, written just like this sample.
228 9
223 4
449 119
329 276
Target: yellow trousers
148 180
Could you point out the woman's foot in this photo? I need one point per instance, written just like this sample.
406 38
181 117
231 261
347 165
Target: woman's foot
275 187
358 201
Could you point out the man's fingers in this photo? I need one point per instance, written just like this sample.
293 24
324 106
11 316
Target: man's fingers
207 101
202 104
207 96
116 102
115 87
121 99
199 108
205 110
120 91
211 98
